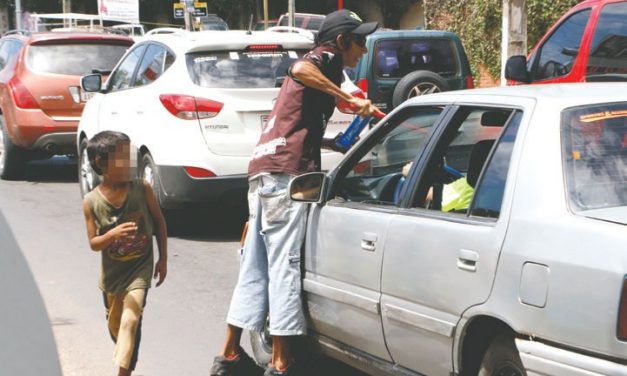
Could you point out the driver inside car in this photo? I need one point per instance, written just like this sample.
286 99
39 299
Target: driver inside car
456 195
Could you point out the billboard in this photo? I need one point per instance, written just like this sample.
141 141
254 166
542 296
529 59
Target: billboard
120 10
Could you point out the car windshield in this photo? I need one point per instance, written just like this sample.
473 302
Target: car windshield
241 69
75 59
595 156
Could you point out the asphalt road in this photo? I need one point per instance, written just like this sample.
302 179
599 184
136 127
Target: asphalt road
184 318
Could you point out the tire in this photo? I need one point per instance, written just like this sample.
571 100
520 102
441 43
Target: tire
417 83
88 179
151 175
502 358
261 343
12 157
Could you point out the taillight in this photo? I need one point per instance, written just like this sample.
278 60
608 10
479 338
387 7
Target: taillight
187 107
22 97
197 172
470 83
264 47
363 85
622 313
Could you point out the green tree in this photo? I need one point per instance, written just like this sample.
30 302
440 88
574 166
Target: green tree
478 24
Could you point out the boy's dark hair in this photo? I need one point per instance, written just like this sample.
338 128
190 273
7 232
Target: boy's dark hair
101 145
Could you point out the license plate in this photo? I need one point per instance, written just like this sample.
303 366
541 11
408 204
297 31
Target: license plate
86 95
264 121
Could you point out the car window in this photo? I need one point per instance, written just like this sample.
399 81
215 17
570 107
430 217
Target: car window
8 53
594 151
76 59
314 23
153 64
608 52
122 77
376 176
452 174
247 69
489 193
557 55
397 58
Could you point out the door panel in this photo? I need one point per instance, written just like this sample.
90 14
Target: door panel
442 260
342 278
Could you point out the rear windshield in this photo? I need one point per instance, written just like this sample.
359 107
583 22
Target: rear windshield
75 59
594 149
241 69
396 58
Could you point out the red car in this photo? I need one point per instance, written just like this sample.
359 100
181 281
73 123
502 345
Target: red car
589 43
40 97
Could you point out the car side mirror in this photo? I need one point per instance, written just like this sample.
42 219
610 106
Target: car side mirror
91 83
307 187
516 69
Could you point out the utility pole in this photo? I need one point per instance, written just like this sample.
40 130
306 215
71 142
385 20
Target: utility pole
290 11
18 14
188 10
66 7
514 32
265 14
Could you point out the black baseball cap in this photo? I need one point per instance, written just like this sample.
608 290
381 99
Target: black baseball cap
344 21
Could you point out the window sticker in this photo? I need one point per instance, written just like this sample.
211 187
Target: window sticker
602 116
201 59
234 55
292 54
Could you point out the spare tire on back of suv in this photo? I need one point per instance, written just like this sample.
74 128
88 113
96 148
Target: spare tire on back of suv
417 83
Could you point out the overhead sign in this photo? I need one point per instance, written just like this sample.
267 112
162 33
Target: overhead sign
199 10
120 10
179 10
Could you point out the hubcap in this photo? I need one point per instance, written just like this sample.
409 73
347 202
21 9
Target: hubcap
422 89
149 175
87 173
266 338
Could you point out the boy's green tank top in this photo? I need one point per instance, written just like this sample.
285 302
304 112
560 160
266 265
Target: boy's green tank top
126 265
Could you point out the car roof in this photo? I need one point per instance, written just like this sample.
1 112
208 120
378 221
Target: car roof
558 95
225 40
382 34
70 35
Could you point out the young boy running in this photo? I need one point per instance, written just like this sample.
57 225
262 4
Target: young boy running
122 214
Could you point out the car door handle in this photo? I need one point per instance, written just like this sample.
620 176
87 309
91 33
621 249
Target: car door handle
114 113
139 112
368 241
467 260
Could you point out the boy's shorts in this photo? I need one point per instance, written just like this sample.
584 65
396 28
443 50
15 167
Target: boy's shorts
270 275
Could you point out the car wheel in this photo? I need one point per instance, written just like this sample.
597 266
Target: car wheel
417 83
12 158
88 179
151 175
502 358
261 343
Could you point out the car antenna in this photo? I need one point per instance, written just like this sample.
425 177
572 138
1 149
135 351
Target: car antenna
250 25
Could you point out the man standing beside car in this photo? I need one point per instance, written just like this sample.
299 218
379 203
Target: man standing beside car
270 274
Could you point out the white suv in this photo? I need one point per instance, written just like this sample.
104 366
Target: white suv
194 105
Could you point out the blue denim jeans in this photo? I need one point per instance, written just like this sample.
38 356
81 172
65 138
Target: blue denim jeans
270 275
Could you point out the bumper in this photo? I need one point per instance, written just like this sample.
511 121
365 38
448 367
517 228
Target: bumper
35 130
542 359
180 190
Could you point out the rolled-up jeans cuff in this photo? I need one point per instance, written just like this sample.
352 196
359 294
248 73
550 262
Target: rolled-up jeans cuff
285 333
242 325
